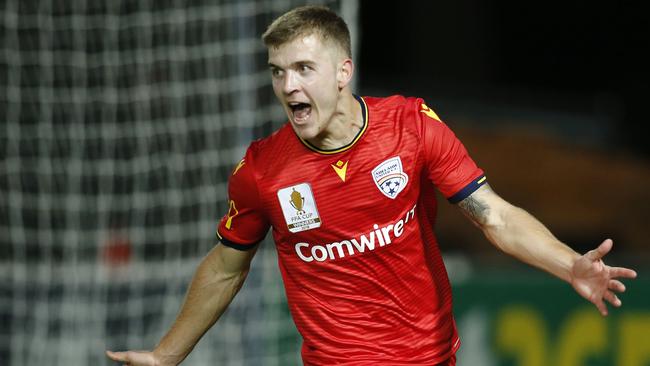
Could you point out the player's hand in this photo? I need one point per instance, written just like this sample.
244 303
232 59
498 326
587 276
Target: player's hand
134 358
596 281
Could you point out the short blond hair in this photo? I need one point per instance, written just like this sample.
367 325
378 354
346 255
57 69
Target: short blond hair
307 20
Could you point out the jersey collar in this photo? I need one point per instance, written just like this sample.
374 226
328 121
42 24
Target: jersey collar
364 112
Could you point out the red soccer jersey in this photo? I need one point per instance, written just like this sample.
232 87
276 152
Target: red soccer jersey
353 228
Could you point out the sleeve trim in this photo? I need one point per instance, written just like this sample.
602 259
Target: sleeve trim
232 244
468 189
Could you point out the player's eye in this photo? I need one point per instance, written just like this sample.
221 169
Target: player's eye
275 72
304 68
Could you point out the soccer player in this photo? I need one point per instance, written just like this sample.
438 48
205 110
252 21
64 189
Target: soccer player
347 187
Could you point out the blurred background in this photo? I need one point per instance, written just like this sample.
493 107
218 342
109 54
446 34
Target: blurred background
122 120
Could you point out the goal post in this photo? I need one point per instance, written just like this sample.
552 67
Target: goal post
122 121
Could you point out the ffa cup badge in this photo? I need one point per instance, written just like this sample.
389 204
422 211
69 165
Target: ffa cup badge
299 207
390 177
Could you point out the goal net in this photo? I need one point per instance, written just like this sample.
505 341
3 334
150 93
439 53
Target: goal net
121 123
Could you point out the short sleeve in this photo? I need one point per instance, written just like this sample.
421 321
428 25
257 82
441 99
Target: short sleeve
448 164
245 224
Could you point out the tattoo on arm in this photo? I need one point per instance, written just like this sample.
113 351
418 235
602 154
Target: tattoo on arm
475 208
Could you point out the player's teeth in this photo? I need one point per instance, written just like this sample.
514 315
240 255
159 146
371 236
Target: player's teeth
302 111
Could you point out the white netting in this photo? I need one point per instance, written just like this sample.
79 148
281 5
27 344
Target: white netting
121 122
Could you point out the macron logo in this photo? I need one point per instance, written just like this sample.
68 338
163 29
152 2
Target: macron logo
375 238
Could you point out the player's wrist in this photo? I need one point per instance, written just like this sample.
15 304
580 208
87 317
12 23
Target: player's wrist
164 358
574 263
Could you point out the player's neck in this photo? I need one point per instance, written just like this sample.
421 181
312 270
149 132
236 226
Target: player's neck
345 124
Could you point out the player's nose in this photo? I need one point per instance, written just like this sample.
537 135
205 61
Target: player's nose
290 83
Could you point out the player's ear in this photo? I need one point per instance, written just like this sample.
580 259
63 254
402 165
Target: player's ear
344 72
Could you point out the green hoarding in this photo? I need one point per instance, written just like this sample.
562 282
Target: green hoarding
533 319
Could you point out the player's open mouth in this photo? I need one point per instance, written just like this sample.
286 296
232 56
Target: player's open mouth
301 111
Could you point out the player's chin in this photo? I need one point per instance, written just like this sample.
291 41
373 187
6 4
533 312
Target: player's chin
306 130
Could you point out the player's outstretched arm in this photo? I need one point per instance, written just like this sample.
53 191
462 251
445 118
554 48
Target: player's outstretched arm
521 235
216 282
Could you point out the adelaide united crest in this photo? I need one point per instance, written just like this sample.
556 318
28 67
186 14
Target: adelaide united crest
390 178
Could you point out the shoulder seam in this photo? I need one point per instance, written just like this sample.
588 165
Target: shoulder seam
254 174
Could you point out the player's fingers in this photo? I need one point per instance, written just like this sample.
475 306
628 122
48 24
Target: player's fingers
117 356
612 298
622 272
616 285
600 304
602 249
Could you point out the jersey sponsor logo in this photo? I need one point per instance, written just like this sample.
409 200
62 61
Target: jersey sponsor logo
375 238
340 168
299 207
232 212
429 112
390 177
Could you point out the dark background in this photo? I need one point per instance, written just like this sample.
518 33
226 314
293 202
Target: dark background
579 57
549 98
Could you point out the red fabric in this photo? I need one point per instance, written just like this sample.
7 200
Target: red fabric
450 362
367 286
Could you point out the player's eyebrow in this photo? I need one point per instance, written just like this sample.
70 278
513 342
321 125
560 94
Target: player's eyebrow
304 62
293 64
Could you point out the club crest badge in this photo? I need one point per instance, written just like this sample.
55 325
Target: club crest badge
390 177
299 207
